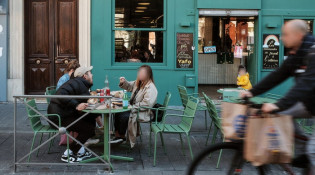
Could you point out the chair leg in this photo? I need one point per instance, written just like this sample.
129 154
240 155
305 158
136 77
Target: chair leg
181 142
68 152
140 132
150 141
189 145
214 138
162 140
51 142
34 137
155 140
40 142
206 121
209 133
219 158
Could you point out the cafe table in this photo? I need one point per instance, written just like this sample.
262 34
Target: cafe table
106 116
255 100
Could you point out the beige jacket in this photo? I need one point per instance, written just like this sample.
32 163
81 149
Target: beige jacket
145 97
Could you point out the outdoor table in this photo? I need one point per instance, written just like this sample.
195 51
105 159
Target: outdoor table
229 89
105 115
230 93
256 100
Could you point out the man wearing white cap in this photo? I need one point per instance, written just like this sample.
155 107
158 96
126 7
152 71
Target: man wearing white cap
70 109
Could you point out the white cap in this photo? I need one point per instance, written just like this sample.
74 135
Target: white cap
79 72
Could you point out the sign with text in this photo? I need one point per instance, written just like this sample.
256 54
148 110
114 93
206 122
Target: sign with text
184 50
210 49
271 51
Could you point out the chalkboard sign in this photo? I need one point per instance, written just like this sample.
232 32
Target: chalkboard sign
270 51
184 50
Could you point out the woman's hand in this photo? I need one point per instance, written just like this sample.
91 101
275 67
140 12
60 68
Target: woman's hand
269 107
245 94
122 79
82 106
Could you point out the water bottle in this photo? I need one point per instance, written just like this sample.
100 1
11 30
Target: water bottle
125 100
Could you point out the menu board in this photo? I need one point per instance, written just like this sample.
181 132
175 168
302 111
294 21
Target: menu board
271 51
184 50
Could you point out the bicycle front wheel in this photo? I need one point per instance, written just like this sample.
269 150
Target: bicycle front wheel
232 161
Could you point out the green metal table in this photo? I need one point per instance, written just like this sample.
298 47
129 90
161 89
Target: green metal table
256 100
105 115
228 89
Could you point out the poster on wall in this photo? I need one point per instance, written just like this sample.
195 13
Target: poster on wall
184 50
271 51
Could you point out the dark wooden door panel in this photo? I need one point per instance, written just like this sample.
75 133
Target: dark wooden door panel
65 35
38 45
51 41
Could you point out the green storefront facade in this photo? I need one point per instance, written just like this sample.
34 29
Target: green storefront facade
182 16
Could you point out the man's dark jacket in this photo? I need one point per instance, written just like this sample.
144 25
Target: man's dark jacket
66 108
300 65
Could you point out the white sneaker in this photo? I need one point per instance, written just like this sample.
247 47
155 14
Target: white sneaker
91 142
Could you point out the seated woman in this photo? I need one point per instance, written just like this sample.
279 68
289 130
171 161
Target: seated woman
71 67
144 93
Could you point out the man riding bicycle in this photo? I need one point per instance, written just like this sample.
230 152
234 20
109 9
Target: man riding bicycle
299 102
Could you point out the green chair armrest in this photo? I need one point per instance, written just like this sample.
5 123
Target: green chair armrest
171 109
49 115
175 115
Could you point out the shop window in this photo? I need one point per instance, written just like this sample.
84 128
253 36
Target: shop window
232 36
310 30
139 30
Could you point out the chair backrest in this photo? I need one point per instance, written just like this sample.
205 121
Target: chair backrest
35 120
167 99
212 111
51 90
183 94
273 96
190 110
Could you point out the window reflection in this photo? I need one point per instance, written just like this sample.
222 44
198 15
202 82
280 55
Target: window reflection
139 14
138 46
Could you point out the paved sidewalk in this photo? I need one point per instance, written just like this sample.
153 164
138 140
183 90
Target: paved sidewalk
172 163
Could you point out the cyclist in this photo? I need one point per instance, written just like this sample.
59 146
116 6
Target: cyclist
299 102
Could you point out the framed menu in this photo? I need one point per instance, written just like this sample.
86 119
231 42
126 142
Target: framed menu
271 51
184 50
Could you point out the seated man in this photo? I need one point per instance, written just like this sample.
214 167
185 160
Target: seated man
70 109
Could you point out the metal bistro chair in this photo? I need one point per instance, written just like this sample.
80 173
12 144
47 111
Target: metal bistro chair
37 125
184 98
182 128
216 120
165 105
51 90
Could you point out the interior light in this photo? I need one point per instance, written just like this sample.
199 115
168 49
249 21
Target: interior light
143 3
139 11
142 8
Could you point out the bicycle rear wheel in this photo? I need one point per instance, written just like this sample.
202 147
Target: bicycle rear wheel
232 162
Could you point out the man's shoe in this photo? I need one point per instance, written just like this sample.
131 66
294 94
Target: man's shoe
86 154
72 159
117 140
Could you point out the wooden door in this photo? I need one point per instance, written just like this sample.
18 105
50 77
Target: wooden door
50 41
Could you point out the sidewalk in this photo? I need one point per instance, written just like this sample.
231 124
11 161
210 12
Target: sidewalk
174 163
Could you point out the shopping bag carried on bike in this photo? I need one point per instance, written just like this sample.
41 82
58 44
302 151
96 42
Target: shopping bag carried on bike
269 139
234 120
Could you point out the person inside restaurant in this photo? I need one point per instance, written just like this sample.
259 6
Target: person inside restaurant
144 93
70 109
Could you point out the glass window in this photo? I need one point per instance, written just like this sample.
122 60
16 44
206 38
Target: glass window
139 14
135 41
138 46
310 29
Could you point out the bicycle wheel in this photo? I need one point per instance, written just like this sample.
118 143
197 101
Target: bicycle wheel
232 162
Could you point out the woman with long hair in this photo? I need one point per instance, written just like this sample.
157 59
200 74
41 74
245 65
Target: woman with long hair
144 93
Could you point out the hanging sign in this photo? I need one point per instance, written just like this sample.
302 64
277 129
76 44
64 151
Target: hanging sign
184 50
271 51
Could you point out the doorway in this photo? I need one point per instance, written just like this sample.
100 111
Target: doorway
51 34
224 43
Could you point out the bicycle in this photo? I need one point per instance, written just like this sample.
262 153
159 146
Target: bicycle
238 163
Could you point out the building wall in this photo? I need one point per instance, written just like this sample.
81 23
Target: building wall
166 76
16 47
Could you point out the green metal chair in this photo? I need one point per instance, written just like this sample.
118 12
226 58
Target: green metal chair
37 125
51 90
216 120
165 105
184 98
182 128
